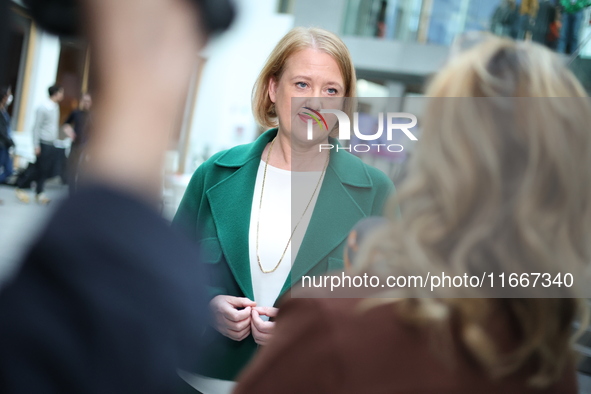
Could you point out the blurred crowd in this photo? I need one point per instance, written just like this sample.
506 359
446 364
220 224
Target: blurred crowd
554 23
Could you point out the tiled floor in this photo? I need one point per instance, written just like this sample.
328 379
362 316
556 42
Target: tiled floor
19 223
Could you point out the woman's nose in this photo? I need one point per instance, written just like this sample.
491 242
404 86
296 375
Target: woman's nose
314 103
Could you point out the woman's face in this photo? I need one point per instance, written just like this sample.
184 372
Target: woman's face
316 78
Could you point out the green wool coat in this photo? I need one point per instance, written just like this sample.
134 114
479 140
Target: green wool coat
215 211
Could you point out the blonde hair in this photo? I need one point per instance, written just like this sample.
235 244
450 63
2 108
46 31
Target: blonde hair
501 185
296 40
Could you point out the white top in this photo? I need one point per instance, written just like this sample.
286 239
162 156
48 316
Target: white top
207 385
285 198
47 118
278 218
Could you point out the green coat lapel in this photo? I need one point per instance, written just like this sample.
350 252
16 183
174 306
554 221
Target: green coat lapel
231 202
335 213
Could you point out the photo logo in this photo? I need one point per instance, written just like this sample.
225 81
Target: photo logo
392 124
317 117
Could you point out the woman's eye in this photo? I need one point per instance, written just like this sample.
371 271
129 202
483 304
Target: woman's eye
301 85
332 91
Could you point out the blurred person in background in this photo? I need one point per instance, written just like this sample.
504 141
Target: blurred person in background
554 30
572 20
504 19
528 9
508 187
108 299
75 126
268 212
544 19
45 134
5 135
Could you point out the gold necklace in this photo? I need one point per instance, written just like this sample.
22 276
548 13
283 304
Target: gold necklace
297 224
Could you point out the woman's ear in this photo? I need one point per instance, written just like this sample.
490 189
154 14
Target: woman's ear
273 89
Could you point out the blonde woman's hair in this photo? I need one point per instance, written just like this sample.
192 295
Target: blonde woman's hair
499 185
296 40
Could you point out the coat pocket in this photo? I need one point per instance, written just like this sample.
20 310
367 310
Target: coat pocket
210 250
211 254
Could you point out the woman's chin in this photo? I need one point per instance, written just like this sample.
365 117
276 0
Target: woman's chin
300 135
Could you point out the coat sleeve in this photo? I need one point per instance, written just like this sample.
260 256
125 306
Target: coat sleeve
187 215
188 220
384 190
4 137
39 120
304 332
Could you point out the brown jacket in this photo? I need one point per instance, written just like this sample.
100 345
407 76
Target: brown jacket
328 346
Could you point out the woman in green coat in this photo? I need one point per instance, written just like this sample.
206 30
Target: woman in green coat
269 212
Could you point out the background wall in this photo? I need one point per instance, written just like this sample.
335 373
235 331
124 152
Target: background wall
223 116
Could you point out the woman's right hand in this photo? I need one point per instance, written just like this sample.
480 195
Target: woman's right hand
228 319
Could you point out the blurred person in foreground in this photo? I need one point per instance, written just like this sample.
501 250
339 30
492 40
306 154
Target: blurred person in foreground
480 189
269 212
106 300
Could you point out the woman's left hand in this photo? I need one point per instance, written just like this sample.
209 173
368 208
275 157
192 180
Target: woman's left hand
261 330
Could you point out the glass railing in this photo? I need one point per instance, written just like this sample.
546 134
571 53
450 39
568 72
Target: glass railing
580 61
423 21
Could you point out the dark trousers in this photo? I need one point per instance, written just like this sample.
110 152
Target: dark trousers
5 164
46 162
26 177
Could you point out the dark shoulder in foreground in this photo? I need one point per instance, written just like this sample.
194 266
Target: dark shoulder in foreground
106 268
